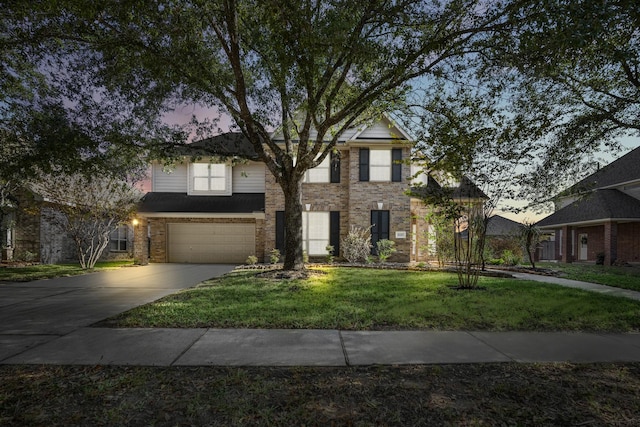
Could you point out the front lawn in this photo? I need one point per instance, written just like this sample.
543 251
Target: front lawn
47 271
370 299
621 277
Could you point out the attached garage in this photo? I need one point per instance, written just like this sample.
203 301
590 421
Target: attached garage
214 243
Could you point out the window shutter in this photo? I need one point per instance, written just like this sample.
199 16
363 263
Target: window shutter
334 232
280 231
335 167
364 164
396 165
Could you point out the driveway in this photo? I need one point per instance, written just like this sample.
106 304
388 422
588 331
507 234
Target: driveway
36 312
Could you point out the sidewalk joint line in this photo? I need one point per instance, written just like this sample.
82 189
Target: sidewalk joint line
344 349
513 359
182 353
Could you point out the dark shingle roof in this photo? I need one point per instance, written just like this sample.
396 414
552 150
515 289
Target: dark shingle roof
597 205
466 189
231 144
624 169
501 226
180 202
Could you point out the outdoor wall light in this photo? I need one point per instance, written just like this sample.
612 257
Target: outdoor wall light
307 206
380 206
135 221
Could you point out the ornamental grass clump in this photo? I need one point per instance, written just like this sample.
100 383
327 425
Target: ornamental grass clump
356 246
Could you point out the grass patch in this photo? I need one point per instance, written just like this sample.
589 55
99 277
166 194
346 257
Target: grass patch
620 277
471 395
48 271
367 299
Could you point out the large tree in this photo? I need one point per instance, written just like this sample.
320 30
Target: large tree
308 68
577 64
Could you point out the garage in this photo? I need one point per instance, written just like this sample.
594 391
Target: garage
210 243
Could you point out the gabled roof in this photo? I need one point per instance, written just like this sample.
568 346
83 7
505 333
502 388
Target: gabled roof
597 205
181 202
384 128
501 226
230 144
624 169
466 189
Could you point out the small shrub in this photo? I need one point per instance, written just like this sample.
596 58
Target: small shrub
510 258
26 256
305 257
600 258
330 249
274 256
356 246
385 249
496 261
252 260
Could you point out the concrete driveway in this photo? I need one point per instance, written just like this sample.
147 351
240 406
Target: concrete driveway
36 312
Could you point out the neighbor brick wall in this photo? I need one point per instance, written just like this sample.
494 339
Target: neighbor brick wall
595 241
629 242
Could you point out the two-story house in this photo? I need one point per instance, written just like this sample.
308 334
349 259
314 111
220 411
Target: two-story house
598 219
222 211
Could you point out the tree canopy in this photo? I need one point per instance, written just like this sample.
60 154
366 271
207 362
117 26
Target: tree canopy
113 69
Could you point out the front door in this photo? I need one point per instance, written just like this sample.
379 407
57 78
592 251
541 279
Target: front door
379 228
582 247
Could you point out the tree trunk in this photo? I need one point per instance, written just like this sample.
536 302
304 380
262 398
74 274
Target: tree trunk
293 226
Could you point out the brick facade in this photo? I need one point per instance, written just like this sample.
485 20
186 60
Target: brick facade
354 200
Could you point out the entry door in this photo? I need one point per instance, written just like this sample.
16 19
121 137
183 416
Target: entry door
379 228
582 246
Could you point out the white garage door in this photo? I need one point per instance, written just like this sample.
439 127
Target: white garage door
211 243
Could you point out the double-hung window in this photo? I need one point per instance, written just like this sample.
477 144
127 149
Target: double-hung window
380 165
210 179
118 239
319 229
325 172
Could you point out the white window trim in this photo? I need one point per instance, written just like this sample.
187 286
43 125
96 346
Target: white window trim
121 237
321 174
306 224
227 177
386 165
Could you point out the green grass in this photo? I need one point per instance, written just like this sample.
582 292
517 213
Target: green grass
620 277
47 271
366 299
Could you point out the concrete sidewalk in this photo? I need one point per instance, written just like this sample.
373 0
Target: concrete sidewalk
587 286
47 322
301 347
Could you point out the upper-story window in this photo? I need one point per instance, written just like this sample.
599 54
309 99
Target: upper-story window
380 165
327 171
209 179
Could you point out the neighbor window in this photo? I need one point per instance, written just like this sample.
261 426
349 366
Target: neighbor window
210 179
118 239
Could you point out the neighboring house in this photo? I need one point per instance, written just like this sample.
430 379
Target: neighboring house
33 236
223 210
503 234
598 219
